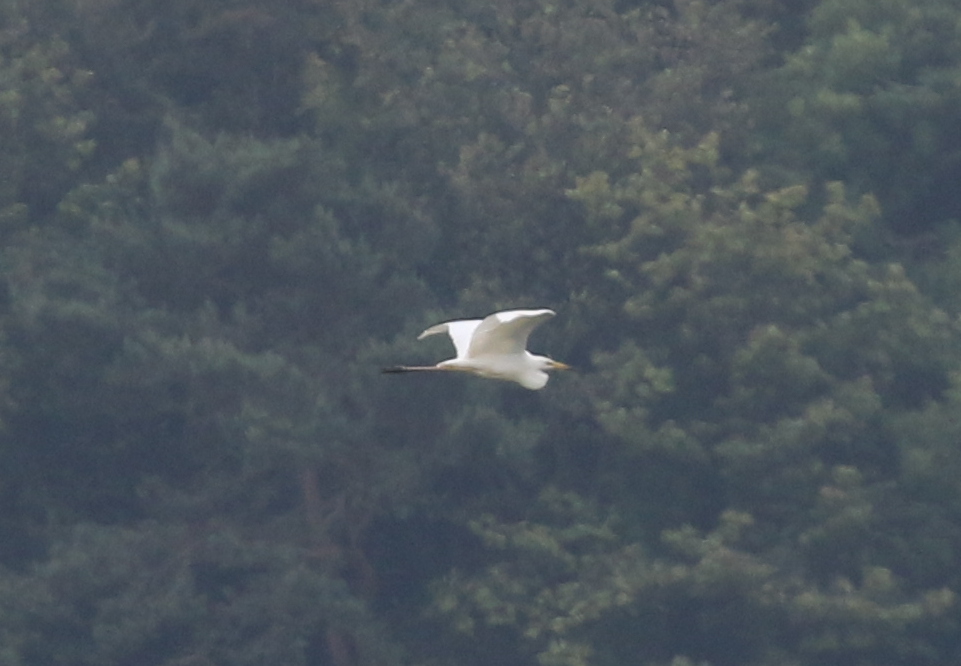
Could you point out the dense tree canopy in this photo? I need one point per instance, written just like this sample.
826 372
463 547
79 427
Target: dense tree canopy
220 219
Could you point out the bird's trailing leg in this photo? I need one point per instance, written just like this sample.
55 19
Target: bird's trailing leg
397 369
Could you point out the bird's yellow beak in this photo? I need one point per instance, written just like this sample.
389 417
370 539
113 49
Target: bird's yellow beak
557 365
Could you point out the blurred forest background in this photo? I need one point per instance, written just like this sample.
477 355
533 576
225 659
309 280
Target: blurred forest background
220 218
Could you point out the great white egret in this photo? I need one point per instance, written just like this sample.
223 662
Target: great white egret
494 347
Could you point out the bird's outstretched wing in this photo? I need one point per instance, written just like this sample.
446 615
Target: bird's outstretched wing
460 332
505 332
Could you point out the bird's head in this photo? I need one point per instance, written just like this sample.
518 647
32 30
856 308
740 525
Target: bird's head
535 374
547 363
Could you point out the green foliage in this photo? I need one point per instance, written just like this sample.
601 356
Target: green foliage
170 595
872 98
496 110
44 127
222 218
585 588
553 577
747 360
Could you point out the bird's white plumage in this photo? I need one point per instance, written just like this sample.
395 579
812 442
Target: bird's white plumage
500 333
506 332
460 333
495 347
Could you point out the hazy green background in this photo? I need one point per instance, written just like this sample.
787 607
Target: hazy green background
219 219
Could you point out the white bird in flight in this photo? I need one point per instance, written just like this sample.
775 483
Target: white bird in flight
494 347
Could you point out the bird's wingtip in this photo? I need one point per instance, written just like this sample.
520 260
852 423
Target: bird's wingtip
509 315
433 330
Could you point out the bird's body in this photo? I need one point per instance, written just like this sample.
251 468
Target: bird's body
494 347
